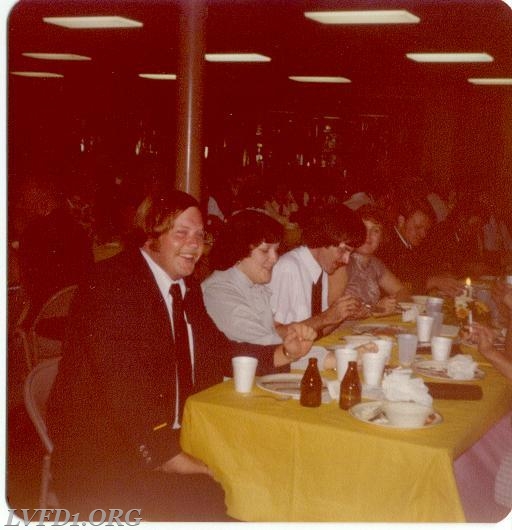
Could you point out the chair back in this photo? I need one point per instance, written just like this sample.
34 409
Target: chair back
36 391
56 306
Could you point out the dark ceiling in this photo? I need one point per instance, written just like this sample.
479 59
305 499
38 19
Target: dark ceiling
373 57
106 93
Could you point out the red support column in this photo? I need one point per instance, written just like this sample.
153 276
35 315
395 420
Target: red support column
189 109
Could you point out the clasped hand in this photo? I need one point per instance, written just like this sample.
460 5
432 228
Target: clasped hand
298 340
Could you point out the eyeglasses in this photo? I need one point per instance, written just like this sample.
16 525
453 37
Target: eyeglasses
343 247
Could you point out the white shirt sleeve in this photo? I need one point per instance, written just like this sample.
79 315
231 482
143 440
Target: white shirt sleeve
242 315
291 299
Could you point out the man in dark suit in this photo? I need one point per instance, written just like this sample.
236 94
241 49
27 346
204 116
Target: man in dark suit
404 251
115 409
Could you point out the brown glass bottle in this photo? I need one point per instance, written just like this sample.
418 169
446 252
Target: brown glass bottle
311 386
350 387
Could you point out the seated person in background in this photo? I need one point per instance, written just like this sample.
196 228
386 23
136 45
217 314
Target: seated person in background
403 251
236 296
455 245
54 249
280 203
484 336
115 410
299 281
365 276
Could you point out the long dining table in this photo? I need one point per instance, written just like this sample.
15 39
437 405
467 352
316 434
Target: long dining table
278 461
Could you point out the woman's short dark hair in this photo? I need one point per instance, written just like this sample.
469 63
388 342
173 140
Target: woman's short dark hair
332 225
243 232
370 212
157 212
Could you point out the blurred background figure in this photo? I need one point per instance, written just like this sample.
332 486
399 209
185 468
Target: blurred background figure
55 250
456 245
410 219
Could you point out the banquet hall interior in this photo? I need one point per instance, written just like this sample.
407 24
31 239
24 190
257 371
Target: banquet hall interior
335 108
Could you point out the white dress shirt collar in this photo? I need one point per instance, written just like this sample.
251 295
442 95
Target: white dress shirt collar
312 266
402 239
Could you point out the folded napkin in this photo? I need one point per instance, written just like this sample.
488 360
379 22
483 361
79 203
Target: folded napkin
409 315
399 385
461 367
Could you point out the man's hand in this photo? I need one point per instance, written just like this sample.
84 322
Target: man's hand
184 464
344 307
298 340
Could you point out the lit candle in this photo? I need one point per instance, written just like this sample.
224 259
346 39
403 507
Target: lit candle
469 289
470 320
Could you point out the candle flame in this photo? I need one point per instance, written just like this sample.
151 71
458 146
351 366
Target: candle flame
468 282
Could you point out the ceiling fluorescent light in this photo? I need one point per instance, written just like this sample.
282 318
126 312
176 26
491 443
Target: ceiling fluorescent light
93 22
167 77
450 57
37 74
57 56
318 79
236 58
381 16
491 80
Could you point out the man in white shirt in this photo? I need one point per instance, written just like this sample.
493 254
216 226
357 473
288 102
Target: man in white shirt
329 236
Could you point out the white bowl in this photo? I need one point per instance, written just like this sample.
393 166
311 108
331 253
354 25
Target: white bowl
406 413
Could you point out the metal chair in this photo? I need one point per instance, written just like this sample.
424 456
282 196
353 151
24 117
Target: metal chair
19 307
36 392
56 307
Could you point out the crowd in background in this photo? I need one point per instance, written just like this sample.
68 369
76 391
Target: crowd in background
469 230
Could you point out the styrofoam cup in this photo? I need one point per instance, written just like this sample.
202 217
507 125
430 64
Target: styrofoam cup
244 371
343 356
441 348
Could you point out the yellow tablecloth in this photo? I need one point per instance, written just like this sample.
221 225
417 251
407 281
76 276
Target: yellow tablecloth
278 461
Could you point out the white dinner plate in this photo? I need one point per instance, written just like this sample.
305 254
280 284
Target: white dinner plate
407 305
287 385
449 331
487 278
357 340
377 330
438 370
369 413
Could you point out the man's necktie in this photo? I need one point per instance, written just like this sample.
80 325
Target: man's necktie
316 297
182 347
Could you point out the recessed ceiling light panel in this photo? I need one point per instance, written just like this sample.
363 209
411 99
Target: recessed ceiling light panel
450 57
93 22
319 79
381 16
491 80
166 77
57 56
37 74
236 58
